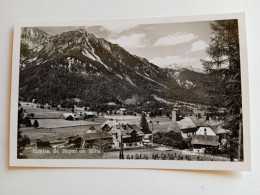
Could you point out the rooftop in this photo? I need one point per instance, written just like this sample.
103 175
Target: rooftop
205 140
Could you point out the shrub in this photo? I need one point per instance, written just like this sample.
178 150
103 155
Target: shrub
36 123
27 122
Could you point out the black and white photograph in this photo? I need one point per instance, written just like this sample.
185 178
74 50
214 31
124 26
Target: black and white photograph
130 90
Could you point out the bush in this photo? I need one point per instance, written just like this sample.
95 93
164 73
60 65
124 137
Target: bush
31 115
36 123
69 118
27 122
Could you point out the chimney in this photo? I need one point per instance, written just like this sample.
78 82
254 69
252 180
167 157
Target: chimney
175 114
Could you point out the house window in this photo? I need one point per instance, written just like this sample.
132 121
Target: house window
205 131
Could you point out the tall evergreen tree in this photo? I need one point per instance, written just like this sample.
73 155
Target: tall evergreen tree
225 78
144 125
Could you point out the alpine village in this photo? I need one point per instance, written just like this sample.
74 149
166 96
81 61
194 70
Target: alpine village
83 97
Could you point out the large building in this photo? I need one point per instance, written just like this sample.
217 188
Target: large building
124 132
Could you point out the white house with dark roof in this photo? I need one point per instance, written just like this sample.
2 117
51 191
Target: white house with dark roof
205 131
203 143
67 116
195 131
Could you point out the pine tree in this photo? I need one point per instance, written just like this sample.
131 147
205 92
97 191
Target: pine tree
144 125
225 78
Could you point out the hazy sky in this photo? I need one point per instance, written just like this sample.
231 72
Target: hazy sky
162 44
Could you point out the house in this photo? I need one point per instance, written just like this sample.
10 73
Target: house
205 140
111 104
74 141
89 115
207 131
96 140
77 100
122 111
67 116
205 144
189 126
107 125
184 125
129 134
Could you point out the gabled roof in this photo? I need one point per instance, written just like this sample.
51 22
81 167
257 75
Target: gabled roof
174 127
134 127
110 123
99 143
205 140
89 113
111 104
195 120
115 129
126 131
66 115
186 123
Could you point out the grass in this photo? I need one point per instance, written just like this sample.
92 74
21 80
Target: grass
56 133
40 113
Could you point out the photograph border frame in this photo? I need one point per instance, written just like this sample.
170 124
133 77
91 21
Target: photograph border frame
116 163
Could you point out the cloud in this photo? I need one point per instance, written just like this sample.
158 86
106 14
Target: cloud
131 41
167 60
198 46
175 39
119 27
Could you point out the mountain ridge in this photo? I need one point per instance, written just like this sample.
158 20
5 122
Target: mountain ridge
91 69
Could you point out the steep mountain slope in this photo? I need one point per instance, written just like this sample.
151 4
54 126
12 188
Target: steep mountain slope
78 64
32 40
187 78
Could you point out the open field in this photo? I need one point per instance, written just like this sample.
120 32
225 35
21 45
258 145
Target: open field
48 118
56 123
40 113
53 129
56 133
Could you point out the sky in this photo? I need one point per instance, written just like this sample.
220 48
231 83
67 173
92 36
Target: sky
163 44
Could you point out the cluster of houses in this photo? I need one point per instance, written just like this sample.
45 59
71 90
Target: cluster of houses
200 135
77 116
112 134
123 132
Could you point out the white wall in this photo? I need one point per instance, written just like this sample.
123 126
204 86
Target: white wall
201 131
109 181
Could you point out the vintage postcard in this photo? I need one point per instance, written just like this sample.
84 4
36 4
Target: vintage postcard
163 93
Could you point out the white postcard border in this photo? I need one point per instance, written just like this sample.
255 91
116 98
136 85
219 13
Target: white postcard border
147 164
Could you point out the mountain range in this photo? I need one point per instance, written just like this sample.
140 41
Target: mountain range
77 64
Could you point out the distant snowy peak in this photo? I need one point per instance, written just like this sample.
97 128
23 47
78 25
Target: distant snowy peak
186 78
178 67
